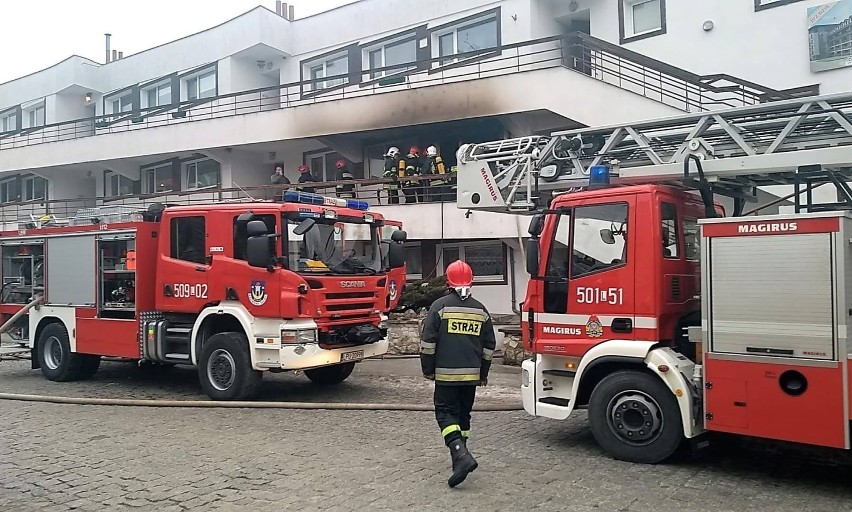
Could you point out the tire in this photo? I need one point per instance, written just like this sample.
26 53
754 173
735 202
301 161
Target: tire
330 375
57 361
650 432
225 370
89 367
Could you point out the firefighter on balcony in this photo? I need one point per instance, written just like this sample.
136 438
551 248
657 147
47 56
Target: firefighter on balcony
305 176
411 186
455 351
393 171
435 166
344 190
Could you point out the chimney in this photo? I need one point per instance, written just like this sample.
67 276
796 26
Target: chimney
107 47
291 13
284 10
278 7
114 55
120 55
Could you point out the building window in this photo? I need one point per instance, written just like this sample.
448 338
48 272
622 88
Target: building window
395 53
670 231
34 115
413 262
322 164
117 185
202 174
158 179
8 191
335 67
641 18
472 35
157 96
8 122
34 188
120 104
759 5
201 86
486 259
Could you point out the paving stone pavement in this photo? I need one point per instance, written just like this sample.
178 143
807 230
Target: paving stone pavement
67 457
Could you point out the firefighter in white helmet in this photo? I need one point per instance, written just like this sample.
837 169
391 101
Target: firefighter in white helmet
393 171
435 166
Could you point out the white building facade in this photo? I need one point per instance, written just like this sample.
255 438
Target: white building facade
208 116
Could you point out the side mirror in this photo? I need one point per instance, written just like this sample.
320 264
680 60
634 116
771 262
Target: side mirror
256 228
532 257
304 226
399 236
396 256
257 251
536 225
607 236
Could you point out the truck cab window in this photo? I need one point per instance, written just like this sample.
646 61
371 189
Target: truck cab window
669 229
600 238
691 239
556 274
188 242
241 233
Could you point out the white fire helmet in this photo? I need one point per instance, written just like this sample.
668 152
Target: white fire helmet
431 151
392 152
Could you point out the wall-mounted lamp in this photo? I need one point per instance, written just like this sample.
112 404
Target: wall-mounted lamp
707 26
88 97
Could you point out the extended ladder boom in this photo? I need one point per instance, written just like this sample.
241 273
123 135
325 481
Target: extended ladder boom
732 150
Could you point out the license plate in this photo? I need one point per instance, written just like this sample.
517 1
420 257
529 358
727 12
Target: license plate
355 355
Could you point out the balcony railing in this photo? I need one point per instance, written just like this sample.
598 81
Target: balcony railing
18 215
582 53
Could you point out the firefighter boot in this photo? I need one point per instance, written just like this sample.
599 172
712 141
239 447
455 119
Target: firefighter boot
463 462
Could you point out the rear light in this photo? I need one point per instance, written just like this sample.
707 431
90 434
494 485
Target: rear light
298 337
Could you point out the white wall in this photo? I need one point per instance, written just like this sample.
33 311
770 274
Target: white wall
71 71
769 47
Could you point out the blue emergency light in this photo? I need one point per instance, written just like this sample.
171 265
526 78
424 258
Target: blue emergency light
294 196
599 176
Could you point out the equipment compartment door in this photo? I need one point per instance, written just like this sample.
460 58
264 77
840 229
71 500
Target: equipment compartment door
182 285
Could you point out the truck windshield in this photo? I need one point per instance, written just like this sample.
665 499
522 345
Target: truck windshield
333 247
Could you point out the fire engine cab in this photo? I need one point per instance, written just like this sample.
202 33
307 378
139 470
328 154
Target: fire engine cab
653 311
236 289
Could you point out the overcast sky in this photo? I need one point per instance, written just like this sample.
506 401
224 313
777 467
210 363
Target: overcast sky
40 33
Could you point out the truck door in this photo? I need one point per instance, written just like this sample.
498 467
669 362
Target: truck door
182 285
588 281
396 276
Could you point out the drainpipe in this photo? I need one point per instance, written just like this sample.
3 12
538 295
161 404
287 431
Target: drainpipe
512 286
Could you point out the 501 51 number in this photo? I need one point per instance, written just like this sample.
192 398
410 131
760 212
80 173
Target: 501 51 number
589 295
190 291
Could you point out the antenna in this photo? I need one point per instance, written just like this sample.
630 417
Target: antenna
243 191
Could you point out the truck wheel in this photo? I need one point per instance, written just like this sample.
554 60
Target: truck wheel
57 361
330 375
225 368
635 417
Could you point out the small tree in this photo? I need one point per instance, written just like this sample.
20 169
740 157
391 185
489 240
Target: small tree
419 295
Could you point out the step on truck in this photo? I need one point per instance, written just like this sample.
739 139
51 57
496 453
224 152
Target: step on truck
660 316
235 289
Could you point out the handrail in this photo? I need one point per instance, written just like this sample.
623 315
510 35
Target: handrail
622 67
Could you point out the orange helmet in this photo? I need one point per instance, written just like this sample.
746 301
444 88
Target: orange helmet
341 164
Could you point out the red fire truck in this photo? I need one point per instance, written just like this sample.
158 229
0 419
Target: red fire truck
661 317
236 289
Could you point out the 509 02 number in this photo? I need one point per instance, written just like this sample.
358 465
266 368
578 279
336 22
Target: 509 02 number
589 295
191 291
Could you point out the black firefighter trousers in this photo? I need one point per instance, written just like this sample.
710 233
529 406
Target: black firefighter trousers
452 410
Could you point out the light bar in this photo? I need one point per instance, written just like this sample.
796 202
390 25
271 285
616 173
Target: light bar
293 196
598 176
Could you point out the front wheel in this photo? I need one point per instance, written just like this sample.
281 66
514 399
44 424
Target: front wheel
224 368
330 375
635 417
57 361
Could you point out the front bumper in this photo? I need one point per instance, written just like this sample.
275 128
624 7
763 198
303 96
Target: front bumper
311 355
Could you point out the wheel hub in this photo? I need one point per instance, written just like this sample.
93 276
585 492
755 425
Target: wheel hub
221 370
634 417
53 353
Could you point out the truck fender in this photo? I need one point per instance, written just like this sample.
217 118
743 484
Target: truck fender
678 378
234 309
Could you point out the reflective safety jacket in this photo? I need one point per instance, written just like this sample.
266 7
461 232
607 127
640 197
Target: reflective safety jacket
458 341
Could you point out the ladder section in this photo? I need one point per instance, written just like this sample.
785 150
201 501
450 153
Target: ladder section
732 151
